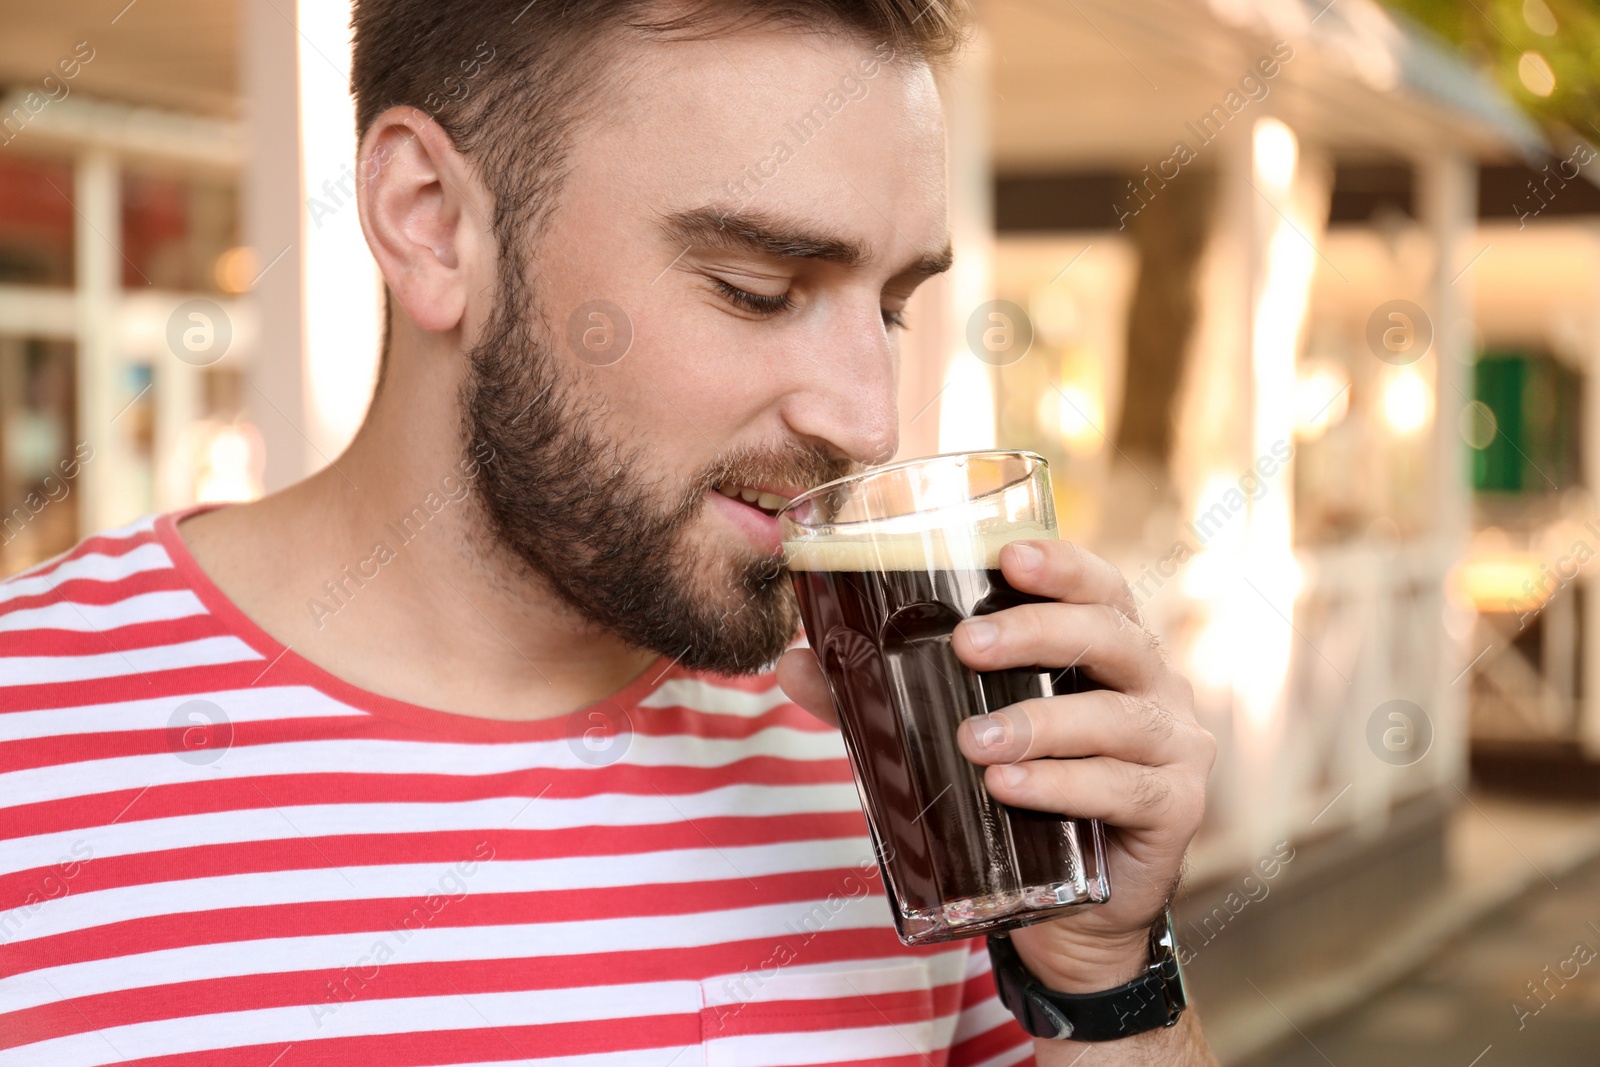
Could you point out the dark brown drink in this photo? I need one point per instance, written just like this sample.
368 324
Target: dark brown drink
955 861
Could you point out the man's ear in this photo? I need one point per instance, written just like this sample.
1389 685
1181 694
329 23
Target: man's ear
422 210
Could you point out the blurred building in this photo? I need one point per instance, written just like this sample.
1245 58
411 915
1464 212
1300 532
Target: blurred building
1240 251
1536 530
188 311
1228 264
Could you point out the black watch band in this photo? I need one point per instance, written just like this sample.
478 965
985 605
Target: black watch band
1153 1000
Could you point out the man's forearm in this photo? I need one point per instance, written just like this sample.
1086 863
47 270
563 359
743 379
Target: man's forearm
1180 1045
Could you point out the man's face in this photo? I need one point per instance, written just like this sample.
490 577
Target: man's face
711 314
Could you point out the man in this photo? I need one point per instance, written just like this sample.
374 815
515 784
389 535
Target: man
465 749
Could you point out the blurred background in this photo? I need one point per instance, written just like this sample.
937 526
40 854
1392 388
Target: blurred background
1300 299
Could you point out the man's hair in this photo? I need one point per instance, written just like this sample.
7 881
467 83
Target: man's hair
509 79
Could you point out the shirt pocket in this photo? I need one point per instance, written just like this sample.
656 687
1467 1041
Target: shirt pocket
885 1014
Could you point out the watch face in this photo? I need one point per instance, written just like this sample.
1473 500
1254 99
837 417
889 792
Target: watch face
1164 961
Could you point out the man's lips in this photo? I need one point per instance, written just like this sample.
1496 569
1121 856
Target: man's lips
760 526
766 497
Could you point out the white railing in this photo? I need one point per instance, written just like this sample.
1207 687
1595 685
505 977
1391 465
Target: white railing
1373 710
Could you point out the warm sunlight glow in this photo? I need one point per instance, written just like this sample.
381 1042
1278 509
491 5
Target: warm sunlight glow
230 465
1502 581
1539 17
235 269
1079 415
966 407
1536 75
1321 398
1407 401
1277 153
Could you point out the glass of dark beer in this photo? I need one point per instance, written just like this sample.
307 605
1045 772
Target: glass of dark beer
886 563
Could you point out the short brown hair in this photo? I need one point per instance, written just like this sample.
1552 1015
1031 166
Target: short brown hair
507 79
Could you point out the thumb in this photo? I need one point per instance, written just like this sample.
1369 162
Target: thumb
800 677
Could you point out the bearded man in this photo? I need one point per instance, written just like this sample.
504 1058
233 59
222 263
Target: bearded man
487 743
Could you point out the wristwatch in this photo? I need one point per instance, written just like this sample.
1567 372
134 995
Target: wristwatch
1153 1000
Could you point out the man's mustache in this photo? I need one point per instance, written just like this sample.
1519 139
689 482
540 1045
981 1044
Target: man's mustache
797 466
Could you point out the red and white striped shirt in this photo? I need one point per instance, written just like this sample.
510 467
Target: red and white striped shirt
214 852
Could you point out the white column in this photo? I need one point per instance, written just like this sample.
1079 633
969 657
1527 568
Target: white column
273 213
343 294
177 400
1292 184
1447 196
1208 455
1255 284
107 494
966 406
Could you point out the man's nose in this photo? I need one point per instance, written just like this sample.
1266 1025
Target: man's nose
847 399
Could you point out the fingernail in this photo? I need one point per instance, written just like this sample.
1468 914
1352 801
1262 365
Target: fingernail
1012 775
990 731
1026 556
979 633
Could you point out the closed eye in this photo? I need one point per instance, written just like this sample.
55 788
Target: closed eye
760 303
763 304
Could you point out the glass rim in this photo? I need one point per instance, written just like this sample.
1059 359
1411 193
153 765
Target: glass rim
902 464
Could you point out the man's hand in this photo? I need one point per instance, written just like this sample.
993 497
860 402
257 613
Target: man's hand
1131 754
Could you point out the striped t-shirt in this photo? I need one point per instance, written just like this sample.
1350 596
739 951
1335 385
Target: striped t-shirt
214 852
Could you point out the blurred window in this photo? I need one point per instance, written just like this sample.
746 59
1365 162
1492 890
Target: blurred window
38 472
36 223
1535 401
176 230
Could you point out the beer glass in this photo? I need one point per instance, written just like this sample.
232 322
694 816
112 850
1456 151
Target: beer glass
886 563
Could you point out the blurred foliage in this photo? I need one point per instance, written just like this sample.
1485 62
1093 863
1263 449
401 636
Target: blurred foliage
1521 43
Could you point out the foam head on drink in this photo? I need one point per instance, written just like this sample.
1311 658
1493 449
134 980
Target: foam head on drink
936 549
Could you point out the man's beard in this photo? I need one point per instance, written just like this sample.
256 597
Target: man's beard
578 507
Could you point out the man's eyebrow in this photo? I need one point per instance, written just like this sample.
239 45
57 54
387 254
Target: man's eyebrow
765 234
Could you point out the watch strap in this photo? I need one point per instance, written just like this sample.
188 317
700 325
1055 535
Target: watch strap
1151 1001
